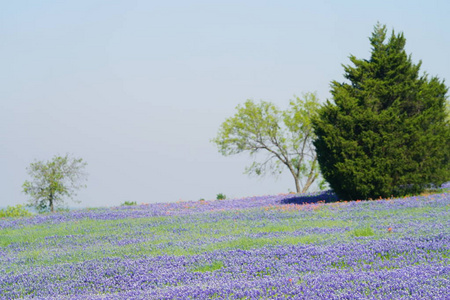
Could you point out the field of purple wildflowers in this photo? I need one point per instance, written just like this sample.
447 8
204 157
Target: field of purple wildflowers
269 247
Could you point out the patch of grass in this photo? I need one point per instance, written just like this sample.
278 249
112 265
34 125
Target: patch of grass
341 264
216 265
386 256
92 228
363 231
34 255
251 243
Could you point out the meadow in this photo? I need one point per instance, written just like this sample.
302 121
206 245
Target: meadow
267 247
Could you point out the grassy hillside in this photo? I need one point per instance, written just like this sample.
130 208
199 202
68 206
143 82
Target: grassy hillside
282 247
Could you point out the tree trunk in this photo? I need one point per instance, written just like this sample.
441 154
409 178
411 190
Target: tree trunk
297 184
50 199
312 176
291 169
308 183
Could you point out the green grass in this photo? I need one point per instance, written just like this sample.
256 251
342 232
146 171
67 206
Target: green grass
85 227
250 243
364 231
245 229
216 265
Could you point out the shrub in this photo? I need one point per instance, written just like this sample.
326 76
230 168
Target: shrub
221 196
129 203
14 211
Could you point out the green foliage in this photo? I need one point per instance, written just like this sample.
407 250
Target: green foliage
221 196
364 231
15 211
54 180
284 136
447 106
216 265
387 131
129 203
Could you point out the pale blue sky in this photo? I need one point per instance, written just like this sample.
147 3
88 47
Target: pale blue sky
138 88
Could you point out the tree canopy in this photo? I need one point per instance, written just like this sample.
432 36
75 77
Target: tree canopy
284 136
54 180
387 132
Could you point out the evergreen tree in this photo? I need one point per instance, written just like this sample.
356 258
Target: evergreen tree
387 132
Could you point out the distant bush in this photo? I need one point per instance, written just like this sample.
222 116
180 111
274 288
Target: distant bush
221 196
129 203
14 211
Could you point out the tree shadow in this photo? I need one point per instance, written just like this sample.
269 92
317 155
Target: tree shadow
323 197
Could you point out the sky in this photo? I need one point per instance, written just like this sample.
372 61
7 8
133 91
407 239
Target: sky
138 89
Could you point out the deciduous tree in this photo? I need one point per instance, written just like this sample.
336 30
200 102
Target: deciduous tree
285 137
54 180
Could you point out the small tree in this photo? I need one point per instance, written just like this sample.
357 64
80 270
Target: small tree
284 136
221 196
53 180
387 132
14 211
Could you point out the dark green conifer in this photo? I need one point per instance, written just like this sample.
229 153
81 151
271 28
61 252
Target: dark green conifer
387 132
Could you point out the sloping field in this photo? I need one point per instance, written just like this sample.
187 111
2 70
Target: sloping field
274 247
